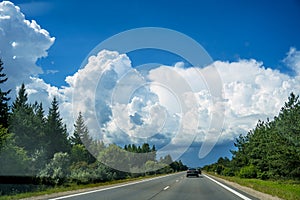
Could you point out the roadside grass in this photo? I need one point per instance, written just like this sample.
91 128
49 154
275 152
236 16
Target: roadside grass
72 187
285 189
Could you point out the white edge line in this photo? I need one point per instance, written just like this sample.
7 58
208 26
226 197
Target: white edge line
166 188
228 188
109 188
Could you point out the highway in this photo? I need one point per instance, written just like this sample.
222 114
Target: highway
174 186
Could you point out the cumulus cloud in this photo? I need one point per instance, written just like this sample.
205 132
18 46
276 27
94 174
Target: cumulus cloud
173 104
293 60
169 105
22 43
116 99
252 92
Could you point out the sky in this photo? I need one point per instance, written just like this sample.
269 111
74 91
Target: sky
156 95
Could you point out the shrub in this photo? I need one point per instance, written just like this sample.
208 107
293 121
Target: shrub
58 168
81 173
248 172
228 172
263 175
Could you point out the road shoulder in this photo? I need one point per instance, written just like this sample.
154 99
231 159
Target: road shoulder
247 190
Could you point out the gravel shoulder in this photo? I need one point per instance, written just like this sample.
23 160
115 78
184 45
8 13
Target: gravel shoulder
248 190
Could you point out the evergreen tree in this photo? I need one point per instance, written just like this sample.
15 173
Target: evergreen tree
81 133
145 148
272 148
166 160
21 100
80 141
14 159
55 132
21 122
39 124
3 99
4 135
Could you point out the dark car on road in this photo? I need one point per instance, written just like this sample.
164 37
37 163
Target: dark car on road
192 172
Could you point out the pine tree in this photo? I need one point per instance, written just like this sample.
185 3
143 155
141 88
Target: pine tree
21 122
3 136
81 142
145 148
3 99
81 133
21 100
166 160
272 147
39 124
55 132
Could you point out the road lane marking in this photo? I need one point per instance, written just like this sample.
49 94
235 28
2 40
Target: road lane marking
166 187
228 188
109 188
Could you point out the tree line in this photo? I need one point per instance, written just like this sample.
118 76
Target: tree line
35 144
270 151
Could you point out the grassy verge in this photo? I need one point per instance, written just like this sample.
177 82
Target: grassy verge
285 189
71 187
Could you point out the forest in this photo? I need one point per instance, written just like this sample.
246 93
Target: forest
270 151
36 149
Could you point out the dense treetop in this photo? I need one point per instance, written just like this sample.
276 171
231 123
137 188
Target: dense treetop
270 150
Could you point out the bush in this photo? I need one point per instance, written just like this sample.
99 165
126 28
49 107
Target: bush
58 168
228 172
248 172
219 169
14 160
81 173
263 175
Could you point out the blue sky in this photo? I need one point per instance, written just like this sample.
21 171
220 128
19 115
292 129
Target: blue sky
254 45
228 30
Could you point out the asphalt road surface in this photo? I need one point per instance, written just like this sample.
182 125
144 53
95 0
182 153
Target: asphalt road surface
175 186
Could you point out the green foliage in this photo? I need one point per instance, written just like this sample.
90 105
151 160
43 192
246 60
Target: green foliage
263 175
80 141
227 171
166 160
152 167
82 173
248 172
103 172
80 153
55 128
57 169
38 126
81 133
115 157
3 136
178 166
3 99
14 160
270 150
21 122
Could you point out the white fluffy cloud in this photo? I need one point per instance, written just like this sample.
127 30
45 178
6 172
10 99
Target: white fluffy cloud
252 92
173 104
92 87
22 43
293 60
